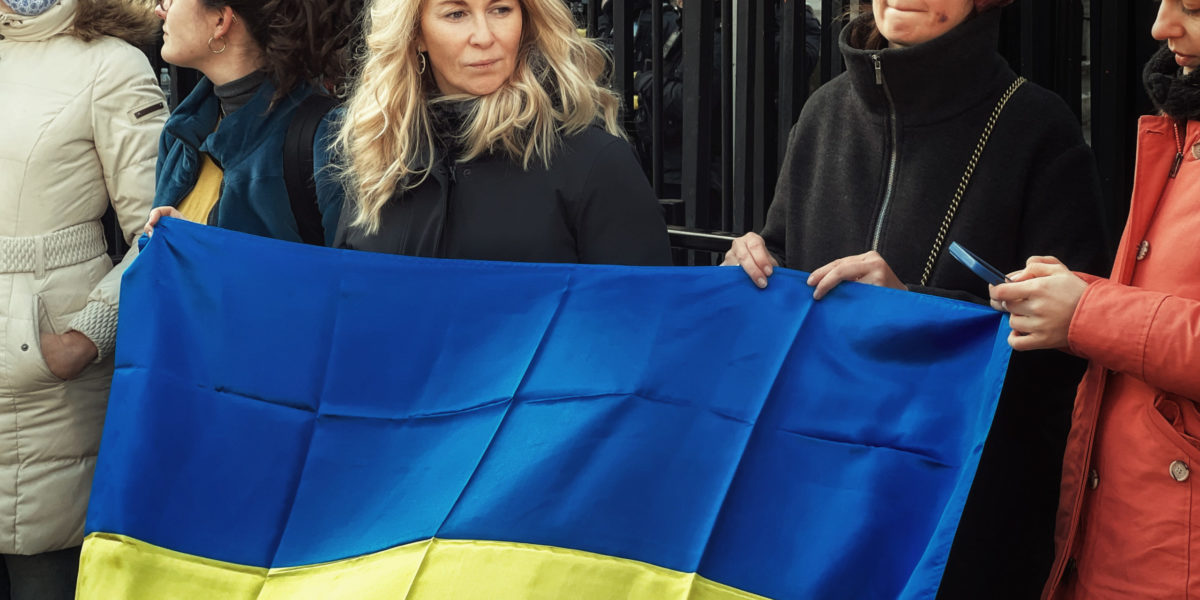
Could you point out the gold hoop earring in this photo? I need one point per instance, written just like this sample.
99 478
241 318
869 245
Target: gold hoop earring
224 44
424 64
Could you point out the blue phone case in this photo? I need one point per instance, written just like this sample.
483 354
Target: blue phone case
980 267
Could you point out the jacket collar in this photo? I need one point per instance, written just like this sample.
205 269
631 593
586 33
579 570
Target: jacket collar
19 28
932 81
240 133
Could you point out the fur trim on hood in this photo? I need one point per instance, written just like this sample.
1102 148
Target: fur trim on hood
130 20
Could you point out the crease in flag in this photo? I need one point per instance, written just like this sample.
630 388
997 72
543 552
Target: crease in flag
289 421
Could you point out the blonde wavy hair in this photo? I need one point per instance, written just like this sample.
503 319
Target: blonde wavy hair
386 137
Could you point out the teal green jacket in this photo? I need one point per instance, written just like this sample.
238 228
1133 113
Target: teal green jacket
249 149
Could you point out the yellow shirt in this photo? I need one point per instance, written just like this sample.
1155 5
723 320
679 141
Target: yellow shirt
200 202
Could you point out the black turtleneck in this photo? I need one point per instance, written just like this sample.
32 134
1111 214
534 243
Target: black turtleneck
897 129
237 93
931 81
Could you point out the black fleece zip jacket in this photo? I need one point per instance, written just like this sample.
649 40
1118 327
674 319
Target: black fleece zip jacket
873 163
874 160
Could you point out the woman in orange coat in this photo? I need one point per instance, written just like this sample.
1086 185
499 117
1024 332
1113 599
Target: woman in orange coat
1129 512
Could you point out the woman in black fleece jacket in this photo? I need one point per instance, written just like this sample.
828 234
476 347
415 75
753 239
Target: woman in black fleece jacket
871 168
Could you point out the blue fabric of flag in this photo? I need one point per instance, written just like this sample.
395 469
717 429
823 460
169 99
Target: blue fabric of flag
279 404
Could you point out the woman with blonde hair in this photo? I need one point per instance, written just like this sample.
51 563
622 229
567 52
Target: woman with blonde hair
83 113
478 130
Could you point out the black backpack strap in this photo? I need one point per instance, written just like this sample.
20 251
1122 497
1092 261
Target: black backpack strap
298 166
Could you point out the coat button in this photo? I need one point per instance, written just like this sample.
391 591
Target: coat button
1143 249
24 347
1093 479
1180 471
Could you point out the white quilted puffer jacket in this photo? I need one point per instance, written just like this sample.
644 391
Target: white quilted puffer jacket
79 126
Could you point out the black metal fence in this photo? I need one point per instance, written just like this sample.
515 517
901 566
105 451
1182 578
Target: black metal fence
1090 52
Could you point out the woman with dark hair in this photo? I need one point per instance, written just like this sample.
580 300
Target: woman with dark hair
927 138
82 114
221 157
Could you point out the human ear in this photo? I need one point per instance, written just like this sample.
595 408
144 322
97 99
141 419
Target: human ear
225 22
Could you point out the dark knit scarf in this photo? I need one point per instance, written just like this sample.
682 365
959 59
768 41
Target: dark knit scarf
1175 94
448 119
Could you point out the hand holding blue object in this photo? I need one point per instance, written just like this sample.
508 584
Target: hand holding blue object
980 267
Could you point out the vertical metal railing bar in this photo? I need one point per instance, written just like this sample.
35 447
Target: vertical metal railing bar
1069 34
1049 45
697 114
657 125
593 18
742 157
766 167
1028 18
622 80
832 20
727 202
787 61
1107 106
1121 43
793 83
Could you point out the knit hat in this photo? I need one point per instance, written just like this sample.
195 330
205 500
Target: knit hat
982 5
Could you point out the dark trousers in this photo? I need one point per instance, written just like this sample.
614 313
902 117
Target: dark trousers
1005 542
45 576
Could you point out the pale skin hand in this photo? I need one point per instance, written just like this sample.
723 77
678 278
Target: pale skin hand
159 213
869 268
750 251
68 354
1041 301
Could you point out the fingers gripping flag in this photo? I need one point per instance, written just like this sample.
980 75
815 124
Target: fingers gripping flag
296 422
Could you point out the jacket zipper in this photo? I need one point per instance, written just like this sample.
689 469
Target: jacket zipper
1179 149
452 179
895 150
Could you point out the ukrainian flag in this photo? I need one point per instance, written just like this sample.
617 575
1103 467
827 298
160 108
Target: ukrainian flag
289 421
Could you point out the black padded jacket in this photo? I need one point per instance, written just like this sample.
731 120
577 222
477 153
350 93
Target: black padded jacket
593 205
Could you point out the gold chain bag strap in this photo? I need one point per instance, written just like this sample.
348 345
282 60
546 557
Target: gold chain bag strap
966 179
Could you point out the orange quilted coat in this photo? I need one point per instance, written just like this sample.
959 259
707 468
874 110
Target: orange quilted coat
1129 512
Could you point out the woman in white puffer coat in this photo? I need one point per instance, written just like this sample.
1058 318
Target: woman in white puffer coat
82 115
